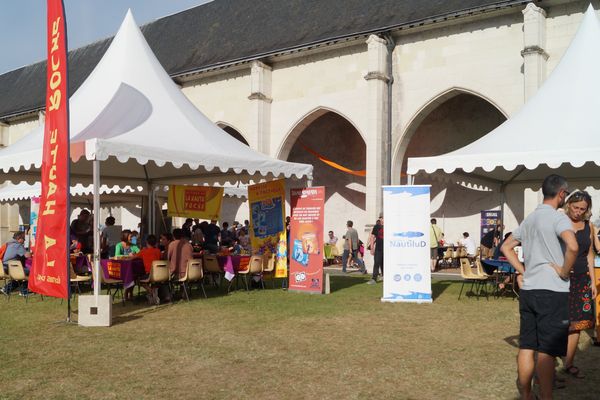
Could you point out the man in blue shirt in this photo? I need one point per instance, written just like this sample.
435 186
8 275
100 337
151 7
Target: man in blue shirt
15 250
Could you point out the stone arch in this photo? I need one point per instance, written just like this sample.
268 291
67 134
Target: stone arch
233 131
302 123
422 114
322 137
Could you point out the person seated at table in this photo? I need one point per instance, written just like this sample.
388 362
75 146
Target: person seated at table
197 236
468 243
128 244
164 241
490 240
15 250
179 253
497 252
332 239
75 246
244 240
149 254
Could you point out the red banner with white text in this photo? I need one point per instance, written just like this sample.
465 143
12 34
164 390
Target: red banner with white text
48 275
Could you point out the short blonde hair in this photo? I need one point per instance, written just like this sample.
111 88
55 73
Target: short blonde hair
580 195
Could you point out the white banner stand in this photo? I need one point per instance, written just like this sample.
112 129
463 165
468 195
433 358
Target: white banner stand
406 251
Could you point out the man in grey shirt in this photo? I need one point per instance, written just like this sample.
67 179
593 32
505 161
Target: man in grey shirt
351 247
549 248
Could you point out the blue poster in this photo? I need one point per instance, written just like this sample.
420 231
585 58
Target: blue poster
266 217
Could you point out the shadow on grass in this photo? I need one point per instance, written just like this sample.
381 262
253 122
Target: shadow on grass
438 287
340 282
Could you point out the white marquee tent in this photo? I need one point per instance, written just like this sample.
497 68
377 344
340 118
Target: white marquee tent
131 116
556 131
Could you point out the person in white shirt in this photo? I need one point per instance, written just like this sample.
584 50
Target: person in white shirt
332 241
468 243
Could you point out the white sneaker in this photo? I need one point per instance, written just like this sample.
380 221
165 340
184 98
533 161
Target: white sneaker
371 282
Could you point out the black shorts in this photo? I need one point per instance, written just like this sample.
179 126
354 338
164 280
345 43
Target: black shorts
544 321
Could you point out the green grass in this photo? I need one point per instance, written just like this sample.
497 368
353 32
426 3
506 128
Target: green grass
271 344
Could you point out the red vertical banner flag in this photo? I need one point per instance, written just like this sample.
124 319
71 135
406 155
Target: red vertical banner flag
306 239
48 275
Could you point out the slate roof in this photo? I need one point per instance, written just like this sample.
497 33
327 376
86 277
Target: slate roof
223 32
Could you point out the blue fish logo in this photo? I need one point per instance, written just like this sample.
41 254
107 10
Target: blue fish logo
409 234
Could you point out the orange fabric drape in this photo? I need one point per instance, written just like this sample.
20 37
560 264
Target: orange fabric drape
334 164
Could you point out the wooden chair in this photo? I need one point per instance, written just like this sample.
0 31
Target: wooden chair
110 283
469 277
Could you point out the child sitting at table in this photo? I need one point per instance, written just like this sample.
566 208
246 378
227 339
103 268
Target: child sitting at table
148 254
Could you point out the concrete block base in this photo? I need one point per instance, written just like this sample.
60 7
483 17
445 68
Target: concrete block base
92 314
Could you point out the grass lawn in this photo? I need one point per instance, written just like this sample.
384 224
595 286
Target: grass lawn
271 344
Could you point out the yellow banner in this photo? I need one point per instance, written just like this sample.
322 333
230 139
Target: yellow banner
267 222
202 202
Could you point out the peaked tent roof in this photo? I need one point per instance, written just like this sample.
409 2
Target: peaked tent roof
131 111
559 126
223 32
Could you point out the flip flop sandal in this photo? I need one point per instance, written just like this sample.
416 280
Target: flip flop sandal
574 372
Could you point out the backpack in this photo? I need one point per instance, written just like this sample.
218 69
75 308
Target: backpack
3 251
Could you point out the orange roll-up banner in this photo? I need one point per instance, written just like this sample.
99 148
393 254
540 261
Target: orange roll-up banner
306 239
48 275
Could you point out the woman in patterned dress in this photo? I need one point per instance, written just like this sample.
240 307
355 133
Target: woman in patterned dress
581 292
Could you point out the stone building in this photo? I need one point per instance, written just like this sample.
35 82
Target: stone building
361 83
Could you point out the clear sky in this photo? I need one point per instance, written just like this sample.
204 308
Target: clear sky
23 24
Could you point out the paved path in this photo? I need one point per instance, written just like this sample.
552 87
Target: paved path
449 274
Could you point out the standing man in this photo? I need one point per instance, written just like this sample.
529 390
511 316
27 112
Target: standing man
351 247
435 234
212 237
544 297
376 243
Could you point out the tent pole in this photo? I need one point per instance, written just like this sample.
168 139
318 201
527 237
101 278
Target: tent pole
502 201
150 216
96 180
